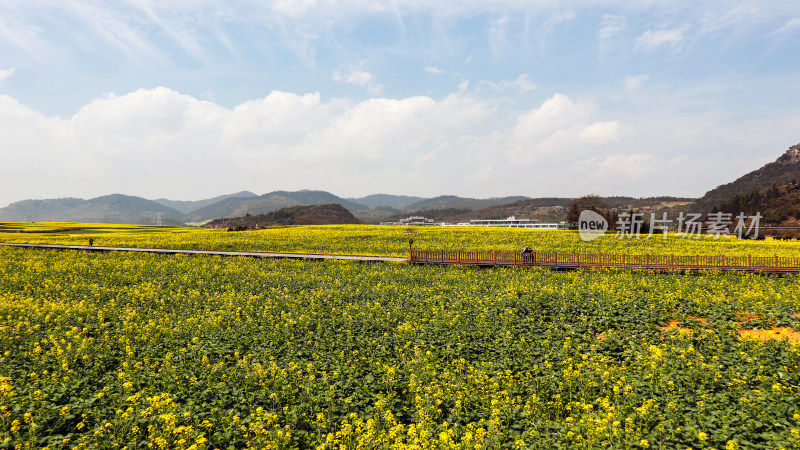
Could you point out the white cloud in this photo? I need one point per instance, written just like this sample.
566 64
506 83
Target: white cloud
611 25
651 39
350 74
601 133
353 74
626 165
159 142
6 74
559 18
523 83
434 70
633 83
153 142
557 113
542 135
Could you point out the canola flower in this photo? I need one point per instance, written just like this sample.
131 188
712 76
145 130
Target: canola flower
179 352
382 240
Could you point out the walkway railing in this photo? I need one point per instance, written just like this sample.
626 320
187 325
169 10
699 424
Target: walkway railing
776 264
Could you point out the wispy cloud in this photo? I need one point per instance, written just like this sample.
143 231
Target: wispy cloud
497 34
523 83
789 27
611 25
650 39
434 70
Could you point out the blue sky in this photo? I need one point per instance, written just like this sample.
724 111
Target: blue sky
192 99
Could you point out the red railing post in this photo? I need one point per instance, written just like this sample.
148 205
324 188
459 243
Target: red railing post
672 261
534 258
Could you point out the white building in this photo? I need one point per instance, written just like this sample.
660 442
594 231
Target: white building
513 222
413 221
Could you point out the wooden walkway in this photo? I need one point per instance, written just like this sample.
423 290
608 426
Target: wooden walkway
760 264
164 251
756 264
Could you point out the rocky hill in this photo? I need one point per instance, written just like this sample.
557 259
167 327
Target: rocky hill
783 171
326 214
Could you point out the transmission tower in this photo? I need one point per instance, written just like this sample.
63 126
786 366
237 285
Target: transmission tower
157 216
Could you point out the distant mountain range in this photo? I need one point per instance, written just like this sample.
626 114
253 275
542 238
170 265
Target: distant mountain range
115 208
385 200
118 208
189 206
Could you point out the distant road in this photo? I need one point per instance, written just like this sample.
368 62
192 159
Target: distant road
165 251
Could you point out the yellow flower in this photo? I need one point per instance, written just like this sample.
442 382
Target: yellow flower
702 436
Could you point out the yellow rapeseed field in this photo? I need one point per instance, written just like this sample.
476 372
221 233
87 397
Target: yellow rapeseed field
382 240
112 350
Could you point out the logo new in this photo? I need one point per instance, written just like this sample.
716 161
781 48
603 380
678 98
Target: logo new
591 225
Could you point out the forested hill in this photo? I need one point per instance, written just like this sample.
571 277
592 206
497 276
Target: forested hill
327 214
783 171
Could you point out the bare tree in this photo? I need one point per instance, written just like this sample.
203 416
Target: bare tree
593 203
